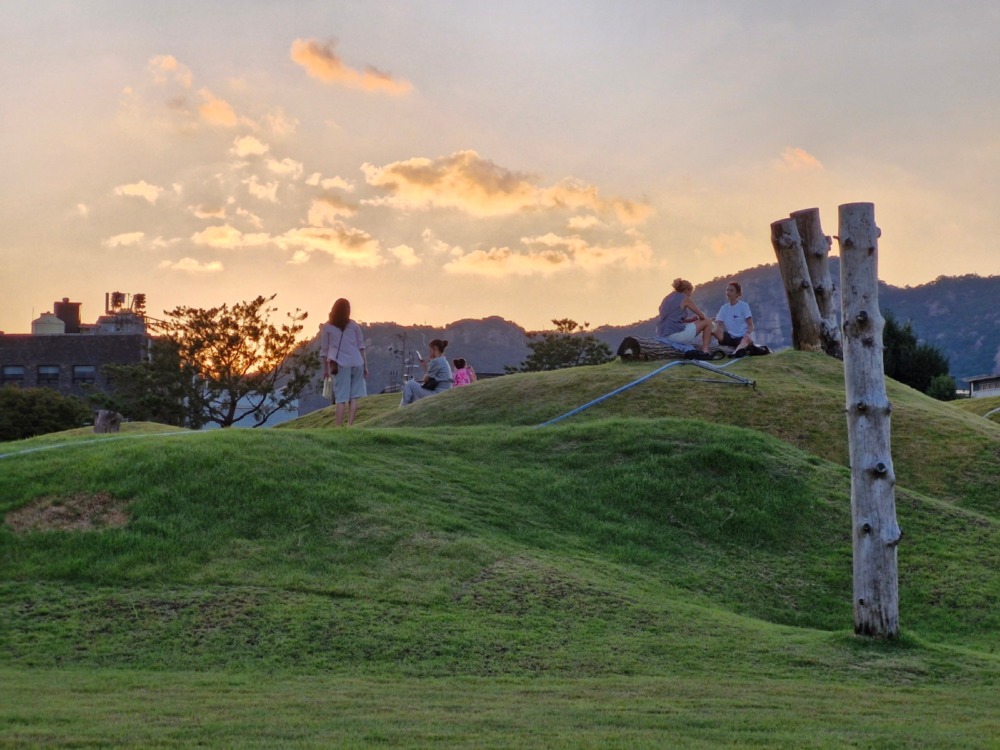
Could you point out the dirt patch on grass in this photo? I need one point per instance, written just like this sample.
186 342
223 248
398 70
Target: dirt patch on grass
81 511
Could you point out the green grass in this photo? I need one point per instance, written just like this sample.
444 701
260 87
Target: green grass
672 567
981 406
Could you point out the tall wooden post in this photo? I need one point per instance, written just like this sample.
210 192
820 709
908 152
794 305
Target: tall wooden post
816 247
798 288
875 532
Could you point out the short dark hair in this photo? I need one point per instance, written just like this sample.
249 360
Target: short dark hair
736 284
459 363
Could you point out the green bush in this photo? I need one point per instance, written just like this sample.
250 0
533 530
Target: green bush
26 412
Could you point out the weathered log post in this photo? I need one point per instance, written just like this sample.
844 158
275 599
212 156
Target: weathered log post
816 247
875 532
107 421
798 288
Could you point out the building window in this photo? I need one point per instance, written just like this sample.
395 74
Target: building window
48 374
84 374
12 375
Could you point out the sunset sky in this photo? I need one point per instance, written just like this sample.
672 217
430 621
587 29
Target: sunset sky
434 160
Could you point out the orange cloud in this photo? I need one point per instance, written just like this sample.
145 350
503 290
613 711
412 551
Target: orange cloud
216 111
268 192
406 255
165 68
346 244
797 158
226 237
140 189
480 187
247 145
124 240
327 210
551 253
190 265
321 62
208 212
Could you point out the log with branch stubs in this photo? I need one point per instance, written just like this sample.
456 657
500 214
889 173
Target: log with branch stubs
806 329
816 247
875 529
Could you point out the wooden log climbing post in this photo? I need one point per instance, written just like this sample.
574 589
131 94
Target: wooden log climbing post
816 247
875 531
798 288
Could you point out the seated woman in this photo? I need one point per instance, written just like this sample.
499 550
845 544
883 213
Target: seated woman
437 378
683 323
464 374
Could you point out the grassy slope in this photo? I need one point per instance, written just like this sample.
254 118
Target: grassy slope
713 557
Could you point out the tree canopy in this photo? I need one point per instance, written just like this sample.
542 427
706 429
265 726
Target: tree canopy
220 365
918 365
569 345
26 412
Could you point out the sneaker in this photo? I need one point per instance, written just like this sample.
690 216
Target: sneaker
739 353
702 355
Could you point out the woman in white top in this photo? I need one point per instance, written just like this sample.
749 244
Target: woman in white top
736 327
342 342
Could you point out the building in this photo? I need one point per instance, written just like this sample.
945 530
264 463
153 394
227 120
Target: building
69 356
981 386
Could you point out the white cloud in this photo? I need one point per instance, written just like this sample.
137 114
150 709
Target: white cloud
251 218
326 211
208 212
166 69
141 189
227 237
406 255
330 183
82 210
583 223
247 145
286 168
190 265
280 123
268 192
124 240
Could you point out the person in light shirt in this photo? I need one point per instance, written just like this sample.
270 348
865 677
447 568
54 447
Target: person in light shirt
734 321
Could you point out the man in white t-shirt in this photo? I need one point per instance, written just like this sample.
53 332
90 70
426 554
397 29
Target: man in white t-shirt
734 323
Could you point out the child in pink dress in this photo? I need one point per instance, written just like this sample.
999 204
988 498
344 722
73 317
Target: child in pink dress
464 374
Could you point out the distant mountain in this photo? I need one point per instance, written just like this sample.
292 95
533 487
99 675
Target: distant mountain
958 314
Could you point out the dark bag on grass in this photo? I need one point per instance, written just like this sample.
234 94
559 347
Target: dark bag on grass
757 351
430 384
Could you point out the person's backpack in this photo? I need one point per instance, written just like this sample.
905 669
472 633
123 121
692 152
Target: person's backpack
757 351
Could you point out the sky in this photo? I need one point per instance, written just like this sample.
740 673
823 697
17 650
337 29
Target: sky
446 159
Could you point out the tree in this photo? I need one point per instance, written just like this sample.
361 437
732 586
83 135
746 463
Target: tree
161 389
26 412
567 346
907 360
219 365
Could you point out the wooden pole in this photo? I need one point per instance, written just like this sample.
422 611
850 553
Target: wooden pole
875 532
798 288
816 247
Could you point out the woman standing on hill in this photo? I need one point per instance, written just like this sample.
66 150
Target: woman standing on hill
342 348
437 379
682 322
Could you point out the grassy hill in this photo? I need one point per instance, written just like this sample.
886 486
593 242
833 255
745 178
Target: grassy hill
671 567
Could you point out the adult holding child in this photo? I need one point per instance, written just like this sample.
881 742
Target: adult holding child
342 349
734 321
683 323
437 377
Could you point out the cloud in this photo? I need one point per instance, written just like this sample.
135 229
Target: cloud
330 183
728 244
208 212
124 240
583 223
247 145
141 189
253 219
346 244
479 187
406 255
268 192
82 210
227 237
321 62
190 265
216 111
286 168
550 253
165 69
797 158
279 123
325 211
